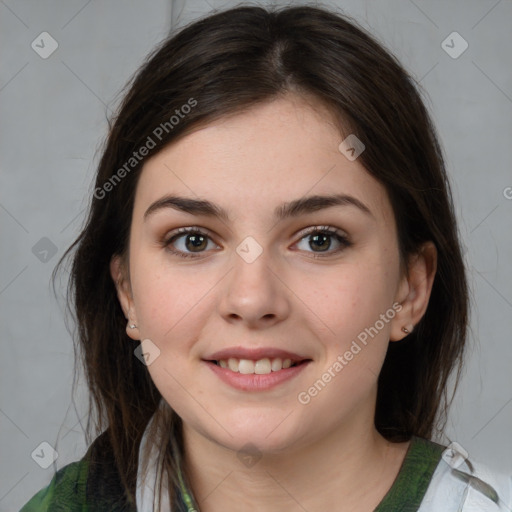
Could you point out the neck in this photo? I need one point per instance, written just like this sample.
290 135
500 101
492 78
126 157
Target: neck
351 469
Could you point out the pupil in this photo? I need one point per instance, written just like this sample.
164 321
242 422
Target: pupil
323 242
196 241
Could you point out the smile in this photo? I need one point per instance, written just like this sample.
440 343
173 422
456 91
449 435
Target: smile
255 369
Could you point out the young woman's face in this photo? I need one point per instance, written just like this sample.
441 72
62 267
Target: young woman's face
293 255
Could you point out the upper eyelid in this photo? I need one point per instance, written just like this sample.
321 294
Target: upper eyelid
187 230
325 228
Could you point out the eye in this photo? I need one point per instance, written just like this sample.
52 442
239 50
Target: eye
191 242
185 242
324 241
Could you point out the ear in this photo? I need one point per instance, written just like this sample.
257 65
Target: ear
120 275
414 290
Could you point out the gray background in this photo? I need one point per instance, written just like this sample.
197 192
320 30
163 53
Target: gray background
53 120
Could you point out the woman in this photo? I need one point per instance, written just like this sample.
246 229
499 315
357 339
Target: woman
272 221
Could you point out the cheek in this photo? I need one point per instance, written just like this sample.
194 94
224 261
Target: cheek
357 305
350 297
167 300
171 307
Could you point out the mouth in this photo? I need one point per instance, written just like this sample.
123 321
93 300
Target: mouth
256 369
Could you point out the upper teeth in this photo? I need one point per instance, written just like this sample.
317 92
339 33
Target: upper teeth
259 367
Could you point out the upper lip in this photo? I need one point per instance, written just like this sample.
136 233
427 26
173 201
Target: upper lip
254 354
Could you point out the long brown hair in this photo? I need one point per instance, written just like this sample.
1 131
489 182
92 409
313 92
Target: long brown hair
218 66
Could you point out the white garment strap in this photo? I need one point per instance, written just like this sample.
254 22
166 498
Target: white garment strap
458 485
145 492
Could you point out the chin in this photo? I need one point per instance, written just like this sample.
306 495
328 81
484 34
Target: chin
264 433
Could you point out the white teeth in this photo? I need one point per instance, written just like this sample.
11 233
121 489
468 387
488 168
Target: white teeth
233 364
277 364
259 367
262 366
246 366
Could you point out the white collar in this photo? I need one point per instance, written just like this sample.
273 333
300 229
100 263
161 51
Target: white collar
463 486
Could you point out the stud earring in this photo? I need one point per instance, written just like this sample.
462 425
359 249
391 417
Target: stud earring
132 326
405 330
408 329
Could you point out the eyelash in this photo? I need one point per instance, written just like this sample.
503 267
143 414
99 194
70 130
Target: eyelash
324 230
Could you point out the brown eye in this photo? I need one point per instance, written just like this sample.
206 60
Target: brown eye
196 243
323 240
188 241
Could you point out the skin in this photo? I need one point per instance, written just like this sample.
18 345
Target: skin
320 456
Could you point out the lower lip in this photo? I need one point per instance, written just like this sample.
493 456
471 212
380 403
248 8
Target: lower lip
254 382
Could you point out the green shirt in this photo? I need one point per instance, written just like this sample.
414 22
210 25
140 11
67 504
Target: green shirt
87 486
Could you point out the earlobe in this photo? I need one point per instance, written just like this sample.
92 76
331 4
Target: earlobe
124 295
414 292
407 329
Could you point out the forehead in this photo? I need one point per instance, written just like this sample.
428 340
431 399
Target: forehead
275 151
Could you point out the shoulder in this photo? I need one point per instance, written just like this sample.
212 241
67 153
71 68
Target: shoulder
66 491
462 484
92 483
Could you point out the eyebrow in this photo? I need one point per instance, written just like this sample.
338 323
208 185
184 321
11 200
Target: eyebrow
294 208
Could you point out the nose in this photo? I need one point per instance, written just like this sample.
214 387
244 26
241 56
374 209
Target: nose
254 295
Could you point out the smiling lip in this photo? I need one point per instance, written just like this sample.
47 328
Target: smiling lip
256 382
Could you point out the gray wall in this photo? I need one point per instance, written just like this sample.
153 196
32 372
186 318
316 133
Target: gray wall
52 115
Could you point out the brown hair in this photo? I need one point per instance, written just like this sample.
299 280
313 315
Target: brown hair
226 63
